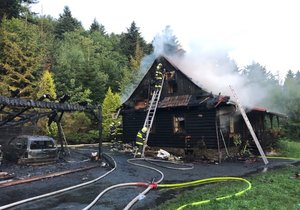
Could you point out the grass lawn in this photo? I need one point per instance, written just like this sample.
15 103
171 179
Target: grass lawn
276 189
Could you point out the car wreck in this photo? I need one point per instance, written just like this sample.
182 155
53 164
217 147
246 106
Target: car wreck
27 149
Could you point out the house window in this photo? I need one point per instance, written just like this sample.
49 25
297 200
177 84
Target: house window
178 124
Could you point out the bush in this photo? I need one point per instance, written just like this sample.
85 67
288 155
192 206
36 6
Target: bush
90 137
289 148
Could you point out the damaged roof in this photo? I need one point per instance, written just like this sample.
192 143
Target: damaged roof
175 101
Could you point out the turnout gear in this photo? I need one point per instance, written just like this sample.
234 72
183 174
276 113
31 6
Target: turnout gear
140 140
158 76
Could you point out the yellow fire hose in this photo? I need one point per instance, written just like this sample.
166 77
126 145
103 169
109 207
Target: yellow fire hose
206 181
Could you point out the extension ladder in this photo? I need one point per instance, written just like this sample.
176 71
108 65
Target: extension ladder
151 113
262 154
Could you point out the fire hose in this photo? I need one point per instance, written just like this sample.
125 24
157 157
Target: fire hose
187 184
61 190
157 185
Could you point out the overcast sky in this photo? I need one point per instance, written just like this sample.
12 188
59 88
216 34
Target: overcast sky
264 31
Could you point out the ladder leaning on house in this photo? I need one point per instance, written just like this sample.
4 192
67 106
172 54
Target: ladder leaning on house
151 113
262 154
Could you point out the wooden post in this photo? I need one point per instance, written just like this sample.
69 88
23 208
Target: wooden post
60 137
218 140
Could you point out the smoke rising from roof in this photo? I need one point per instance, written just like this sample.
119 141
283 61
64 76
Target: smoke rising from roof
214 72
206 64
210 67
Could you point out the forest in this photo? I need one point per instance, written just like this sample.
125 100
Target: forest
42 55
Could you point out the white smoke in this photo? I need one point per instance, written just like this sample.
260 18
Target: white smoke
211 68
207 64
214 72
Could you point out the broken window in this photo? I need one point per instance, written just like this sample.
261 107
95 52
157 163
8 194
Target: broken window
140 104
178 124
41 145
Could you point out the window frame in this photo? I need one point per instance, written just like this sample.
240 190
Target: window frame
178 128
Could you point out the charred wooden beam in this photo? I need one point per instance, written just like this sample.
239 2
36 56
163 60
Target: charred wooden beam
19 102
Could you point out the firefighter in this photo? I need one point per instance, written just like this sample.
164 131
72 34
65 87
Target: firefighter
119 133
112 133
140 140
158 76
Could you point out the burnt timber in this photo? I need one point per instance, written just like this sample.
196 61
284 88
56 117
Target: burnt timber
187 112
16 112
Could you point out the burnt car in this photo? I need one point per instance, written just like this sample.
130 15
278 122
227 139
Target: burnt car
26 149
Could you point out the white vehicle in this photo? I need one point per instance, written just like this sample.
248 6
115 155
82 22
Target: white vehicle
28 149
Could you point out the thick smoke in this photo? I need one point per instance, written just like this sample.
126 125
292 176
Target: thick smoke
209 66
215 72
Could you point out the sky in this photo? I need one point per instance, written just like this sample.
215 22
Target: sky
263 31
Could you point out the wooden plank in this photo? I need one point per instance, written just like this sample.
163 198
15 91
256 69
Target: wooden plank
36 178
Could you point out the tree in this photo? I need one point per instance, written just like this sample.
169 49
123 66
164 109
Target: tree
46 85
131 39
291 98
12 8
20 56
66 23
79 64
96 27
135 61
109 108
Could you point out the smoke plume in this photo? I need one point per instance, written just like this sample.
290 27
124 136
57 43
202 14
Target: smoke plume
208 65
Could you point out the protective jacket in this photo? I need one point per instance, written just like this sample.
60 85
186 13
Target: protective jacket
140 138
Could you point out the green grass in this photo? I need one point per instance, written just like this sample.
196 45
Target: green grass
274 190
289 148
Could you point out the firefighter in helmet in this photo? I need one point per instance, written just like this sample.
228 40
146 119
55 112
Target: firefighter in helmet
140 140
158 76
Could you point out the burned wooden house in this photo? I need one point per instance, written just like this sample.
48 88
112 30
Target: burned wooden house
186 112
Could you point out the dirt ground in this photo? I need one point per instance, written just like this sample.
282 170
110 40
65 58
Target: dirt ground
115 199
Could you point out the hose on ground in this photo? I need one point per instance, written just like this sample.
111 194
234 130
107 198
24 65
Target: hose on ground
186 166
206 181
137 184
113 187
61 190
283 158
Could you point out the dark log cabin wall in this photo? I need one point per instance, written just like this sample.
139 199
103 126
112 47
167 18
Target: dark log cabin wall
197 121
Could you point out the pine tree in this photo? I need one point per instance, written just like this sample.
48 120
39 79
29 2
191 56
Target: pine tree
12 8
135 61
46 85
291 98
20 56
131 39
109 107
66 23
96 27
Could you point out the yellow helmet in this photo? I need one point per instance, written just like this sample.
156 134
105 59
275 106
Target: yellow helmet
144 129
159 66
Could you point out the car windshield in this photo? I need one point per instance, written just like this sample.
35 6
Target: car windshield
41 145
